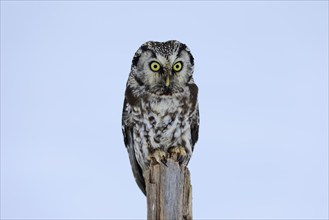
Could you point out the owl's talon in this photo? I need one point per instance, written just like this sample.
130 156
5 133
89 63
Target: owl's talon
178 153
158 156
180 159
164 162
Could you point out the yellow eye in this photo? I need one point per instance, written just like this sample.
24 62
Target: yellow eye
155 66
178 66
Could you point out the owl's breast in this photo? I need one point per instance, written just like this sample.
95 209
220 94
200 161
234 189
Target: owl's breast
160 114
162 122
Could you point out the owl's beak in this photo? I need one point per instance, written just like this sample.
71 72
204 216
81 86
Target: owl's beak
167 71
167 80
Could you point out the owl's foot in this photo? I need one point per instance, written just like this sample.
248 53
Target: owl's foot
178 153
158 156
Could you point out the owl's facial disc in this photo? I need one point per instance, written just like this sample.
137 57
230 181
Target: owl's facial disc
163 68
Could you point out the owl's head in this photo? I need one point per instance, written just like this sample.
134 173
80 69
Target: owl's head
163 68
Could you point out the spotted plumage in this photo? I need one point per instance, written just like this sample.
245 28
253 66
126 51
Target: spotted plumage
160 111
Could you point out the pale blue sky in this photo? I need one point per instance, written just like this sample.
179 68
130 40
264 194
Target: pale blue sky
262 70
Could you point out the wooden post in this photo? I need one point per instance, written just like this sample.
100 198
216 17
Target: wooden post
169 191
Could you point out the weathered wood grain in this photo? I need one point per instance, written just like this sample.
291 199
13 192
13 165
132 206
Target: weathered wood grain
169 191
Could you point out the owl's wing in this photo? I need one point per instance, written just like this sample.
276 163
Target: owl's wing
195 126
194 120
127 130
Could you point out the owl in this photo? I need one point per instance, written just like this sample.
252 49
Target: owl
160 116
